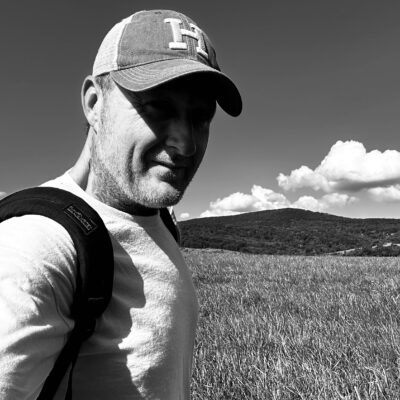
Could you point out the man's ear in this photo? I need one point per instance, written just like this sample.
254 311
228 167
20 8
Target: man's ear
91 101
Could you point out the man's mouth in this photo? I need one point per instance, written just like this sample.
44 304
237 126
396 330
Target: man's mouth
170 172
177 172
171 165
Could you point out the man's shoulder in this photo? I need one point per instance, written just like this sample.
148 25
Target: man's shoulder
34 244
37 233
34 230
62 182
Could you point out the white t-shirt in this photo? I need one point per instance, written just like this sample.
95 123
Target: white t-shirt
143 343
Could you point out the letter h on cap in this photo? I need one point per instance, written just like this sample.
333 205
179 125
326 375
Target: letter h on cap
178 33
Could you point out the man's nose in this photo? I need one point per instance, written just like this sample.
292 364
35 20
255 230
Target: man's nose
181 137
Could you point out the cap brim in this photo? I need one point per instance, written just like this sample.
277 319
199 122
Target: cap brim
148 76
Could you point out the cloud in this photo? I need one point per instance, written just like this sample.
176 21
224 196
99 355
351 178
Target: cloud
324 203
237 203
303 177
266 199
184 215
338 199
2 194
347 167
217 213
385 194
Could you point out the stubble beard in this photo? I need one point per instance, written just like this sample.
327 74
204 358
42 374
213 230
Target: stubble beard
126 189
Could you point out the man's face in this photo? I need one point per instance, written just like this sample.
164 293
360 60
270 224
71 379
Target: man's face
149 145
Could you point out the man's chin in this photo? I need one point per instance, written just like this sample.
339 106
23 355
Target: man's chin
161 195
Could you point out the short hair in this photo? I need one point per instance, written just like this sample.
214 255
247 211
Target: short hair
106 85
105 82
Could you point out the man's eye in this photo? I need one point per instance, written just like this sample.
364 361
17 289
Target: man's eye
158 110
203 116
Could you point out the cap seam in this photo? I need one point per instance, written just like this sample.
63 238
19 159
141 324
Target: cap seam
119 46
161 60
169 79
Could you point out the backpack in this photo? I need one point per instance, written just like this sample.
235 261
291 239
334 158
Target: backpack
95 264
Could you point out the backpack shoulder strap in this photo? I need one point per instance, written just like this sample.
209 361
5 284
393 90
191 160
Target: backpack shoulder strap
95 266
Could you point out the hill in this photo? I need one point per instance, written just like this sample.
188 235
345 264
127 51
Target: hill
293 231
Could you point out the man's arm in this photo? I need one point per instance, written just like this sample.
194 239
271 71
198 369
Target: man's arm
37 282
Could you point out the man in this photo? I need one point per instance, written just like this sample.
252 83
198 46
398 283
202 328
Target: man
149 104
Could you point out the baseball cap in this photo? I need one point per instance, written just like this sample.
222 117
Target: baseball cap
153 47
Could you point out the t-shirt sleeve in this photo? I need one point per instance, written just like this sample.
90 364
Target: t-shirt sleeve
37 282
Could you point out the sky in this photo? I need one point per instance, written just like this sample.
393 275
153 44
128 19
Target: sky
319 80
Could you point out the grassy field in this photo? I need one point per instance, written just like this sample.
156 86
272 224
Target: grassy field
282 327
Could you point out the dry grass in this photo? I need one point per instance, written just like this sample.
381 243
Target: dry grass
276 327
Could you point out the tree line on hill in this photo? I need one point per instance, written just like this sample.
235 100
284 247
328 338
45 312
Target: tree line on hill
294 231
